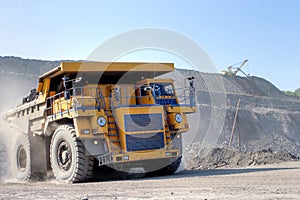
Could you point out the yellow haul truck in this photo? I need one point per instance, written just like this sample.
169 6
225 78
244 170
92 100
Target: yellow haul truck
86 115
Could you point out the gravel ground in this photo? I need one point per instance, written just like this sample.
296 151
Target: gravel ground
276 181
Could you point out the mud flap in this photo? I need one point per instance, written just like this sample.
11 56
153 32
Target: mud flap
39 153
95 147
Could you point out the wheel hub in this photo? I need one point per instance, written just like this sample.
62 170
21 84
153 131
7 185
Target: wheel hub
22 159
64 155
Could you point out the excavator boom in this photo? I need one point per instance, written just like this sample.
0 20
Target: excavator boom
240 67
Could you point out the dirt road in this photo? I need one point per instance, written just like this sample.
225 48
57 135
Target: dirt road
276 181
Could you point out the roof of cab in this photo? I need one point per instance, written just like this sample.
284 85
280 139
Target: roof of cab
148 70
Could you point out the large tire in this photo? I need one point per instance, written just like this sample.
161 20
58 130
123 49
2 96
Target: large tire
168 170
107 173
171 169
67 156
21 162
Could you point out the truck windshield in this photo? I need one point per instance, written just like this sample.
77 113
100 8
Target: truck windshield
162 89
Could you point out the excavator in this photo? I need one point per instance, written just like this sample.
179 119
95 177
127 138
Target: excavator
232 71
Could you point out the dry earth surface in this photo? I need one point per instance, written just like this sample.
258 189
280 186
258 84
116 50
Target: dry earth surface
274 181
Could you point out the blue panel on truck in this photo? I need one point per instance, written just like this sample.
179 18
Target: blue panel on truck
149 141
166 101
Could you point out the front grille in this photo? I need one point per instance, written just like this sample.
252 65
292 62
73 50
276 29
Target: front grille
143 122
166 101
150 141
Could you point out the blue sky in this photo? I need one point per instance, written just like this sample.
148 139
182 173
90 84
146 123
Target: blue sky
266 32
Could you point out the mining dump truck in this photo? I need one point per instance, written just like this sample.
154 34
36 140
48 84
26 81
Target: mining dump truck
86 115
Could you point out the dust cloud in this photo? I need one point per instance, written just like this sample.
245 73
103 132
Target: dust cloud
12 88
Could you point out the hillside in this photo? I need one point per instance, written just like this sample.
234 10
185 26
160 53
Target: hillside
27 67
267 118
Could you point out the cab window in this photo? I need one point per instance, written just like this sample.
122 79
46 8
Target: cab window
162 89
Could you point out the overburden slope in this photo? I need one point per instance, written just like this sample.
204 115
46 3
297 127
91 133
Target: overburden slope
266 119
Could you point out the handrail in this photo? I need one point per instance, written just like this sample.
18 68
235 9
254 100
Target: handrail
76 98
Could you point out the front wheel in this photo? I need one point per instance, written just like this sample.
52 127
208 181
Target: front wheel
21 158
167 170
67 156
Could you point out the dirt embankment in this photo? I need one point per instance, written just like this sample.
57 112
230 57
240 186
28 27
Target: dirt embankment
232 158
267 118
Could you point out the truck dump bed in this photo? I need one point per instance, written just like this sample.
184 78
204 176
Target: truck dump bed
146 70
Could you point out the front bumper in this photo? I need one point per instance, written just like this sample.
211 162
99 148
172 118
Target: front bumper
139 156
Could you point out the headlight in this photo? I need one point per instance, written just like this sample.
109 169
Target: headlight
126 157
178 118
101 121
85 131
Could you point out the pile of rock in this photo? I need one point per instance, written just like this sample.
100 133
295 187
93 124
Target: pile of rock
225 157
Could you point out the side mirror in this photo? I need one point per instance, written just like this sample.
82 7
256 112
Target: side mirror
148 88
77 79
117 93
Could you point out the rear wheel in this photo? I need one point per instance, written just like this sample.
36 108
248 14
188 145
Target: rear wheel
21 158
67 156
